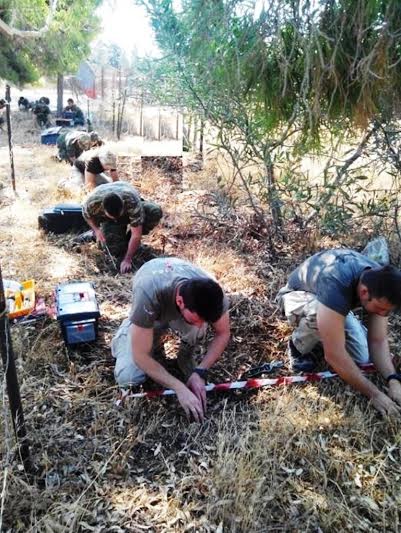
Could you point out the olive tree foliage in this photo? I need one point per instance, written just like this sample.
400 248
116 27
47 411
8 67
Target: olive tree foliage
298 77
41 39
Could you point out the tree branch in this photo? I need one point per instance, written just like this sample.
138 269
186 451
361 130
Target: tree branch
14 32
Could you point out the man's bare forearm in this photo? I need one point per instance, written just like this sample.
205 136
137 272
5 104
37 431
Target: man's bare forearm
214 351
114 175
345 367
157 372
380 355
90 180
91 223
133 246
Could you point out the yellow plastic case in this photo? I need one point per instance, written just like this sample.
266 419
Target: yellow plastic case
24 300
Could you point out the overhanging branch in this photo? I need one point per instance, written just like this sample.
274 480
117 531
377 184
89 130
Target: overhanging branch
14 32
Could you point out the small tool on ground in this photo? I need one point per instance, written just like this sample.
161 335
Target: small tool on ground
266 368
109 254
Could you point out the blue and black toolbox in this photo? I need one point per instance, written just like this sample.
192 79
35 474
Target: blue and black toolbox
77 312
50 135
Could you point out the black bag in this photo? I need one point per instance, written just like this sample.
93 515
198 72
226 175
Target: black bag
63 218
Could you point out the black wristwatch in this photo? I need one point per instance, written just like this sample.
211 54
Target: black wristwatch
202 372
394 376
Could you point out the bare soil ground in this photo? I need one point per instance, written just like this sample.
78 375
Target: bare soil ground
301 458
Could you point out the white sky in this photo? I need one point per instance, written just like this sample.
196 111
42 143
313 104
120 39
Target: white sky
126 25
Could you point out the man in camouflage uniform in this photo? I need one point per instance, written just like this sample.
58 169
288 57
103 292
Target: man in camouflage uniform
78 116
71 144
41 110
24 104
112 208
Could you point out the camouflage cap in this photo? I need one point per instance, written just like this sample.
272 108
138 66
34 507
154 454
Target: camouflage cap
95 138
85 141
107 158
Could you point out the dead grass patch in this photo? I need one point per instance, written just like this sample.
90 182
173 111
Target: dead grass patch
312 458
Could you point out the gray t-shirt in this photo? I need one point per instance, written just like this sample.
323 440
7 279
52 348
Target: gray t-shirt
154 288
332 275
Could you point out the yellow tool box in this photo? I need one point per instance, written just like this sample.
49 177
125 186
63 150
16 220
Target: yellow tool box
20 297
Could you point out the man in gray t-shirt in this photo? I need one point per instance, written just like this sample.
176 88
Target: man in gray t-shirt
172 293
318 300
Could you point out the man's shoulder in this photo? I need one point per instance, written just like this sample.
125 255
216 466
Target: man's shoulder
337 259
168 271
97 195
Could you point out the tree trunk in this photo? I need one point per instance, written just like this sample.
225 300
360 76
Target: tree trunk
60 90
274 201
141 118
201 136
102 82
177 127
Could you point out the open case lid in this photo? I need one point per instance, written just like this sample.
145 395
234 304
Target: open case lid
76 300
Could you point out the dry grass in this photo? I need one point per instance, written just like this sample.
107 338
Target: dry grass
313 458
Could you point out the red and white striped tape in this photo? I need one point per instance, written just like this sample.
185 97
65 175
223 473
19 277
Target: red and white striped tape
253 383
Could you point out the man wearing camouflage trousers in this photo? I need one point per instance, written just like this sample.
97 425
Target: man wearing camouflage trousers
71 144
112 208
42 112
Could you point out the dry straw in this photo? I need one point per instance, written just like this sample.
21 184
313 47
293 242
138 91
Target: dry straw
314 458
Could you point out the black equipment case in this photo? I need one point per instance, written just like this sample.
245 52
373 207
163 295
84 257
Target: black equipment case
63 218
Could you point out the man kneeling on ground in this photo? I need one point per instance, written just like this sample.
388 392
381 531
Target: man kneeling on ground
172 293
318 300
90 166
112 208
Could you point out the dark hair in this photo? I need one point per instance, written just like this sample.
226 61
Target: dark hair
70 100
384 282
113 204
204 297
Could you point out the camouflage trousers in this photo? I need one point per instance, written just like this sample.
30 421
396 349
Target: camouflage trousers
42 120
117 235
300 309
62 147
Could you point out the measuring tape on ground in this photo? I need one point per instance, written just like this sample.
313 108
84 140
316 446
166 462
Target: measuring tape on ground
254 383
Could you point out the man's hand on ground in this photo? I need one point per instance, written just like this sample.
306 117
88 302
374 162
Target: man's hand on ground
125 266
197 385
385 405
190 403
394 390
99 235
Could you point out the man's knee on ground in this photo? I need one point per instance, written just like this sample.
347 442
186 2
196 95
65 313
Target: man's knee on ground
127 374
153 215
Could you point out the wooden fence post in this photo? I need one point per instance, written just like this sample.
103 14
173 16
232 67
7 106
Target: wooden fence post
14 397
9 133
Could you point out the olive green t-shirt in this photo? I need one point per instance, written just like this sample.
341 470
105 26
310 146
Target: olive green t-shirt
154 289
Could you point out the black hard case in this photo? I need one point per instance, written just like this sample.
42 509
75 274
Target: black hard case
63 218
